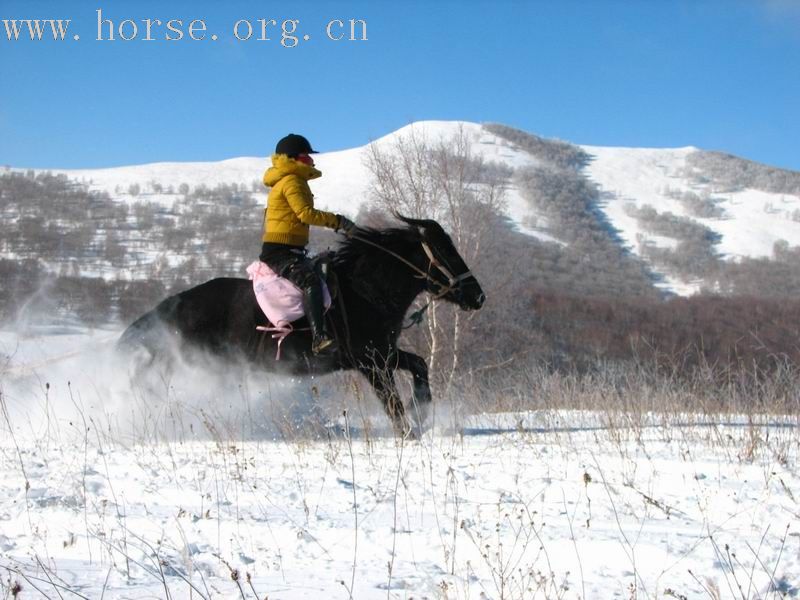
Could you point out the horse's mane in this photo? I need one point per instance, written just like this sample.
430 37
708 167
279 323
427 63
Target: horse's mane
354 248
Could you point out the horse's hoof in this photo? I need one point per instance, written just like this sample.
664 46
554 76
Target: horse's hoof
410 434
419 415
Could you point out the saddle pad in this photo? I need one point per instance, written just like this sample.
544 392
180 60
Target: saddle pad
279 298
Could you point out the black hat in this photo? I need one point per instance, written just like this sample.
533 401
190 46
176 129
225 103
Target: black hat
294 144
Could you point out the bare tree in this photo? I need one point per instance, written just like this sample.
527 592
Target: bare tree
444 180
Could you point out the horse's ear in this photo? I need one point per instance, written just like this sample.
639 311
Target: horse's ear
421 224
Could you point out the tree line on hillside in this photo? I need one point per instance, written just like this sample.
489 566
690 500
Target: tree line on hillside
592 260
32 295
701 206
692 257
727 335
554 152
775 277
728 173
127 254
556 188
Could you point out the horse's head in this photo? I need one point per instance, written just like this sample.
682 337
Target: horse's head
448 275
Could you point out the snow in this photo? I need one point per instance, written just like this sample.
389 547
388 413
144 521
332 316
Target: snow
754 220
536 504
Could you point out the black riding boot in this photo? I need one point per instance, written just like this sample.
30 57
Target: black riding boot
313 304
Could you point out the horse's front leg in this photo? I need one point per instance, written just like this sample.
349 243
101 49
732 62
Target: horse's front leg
421 400
382 381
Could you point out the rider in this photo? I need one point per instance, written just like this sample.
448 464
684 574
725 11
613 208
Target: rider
289 213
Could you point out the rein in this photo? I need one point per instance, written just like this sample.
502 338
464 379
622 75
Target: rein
452 280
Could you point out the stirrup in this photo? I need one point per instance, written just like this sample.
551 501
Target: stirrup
323 345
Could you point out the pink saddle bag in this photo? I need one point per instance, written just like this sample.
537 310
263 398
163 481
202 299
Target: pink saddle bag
280 299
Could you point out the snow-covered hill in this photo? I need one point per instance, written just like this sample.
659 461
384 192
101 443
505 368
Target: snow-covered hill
744 222
750 221
343 187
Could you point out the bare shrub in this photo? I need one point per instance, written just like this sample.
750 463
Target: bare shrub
693 257
702 206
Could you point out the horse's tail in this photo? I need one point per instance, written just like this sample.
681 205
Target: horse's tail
136 333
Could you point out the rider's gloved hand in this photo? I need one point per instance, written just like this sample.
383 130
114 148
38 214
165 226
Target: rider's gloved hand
346 226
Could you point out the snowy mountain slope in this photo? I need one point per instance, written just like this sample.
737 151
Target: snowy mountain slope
343 187
753 219
116 180
748 224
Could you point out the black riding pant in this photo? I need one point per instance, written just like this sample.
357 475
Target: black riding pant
290 262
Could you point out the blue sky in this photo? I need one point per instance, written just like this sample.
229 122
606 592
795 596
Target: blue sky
715 74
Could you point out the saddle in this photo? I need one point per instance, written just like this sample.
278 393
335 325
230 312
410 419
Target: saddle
280 299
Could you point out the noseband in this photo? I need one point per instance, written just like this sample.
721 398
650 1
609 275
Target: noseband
452 280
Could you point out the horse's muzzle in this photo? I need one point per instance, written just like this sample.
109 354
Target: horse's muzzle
473 302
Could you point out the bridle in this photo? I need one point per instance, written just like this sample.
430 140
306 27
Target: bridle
452 280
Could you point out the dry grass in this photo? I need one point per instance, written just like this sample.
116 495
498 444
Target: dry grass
629 405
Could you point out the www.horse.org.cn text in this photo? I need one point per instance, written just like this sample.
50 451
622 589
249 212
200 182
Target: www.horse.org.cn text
288 33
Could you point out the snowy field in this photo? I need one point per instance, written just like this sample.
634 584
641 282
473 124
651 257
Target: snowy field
254 487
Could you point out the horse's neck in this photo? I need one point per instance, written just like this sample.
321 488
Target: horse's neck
409 293
406 285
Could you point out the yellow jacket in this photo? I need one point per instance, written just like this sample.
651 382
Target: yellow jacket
290 204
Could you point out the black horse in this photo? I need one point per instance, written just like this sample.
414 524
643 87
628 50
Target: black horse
377 275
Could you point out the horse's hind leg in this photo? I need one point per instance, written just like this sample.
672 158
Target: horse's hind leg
382 381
